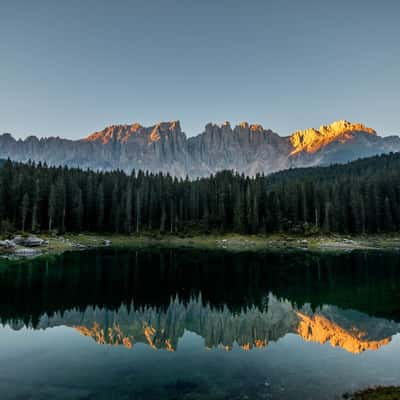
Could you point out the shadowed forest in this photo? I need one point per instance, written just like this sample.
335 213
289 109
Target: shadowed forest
359 197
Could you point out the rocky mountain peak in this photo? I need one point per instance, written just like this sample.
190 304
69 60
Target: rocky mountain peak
226 127
168 126
120 133
164 128
312 140
342 126
250 127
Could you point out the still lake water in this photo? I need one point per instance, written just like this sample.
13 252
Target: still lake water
185 324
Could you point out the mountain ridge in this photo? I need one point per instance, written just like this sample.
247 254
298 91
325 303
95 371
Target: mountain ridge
164 147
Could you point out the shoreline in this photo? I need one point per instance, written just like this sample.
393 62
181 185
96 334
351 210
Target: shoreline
228 242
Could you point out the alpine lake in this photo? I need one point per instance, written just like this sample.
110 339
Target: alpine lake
160 323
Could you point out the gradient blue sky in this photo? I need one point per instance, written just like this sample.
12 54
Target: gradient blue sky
68 68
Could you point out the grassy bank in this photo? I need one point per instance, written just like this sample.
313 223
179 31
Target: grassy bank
229 242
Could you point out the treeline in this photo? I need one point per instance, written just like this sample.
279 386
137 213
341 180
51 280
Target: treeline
359 197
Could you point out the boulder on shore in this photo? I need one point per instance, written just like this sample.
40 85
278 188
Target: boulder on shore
30 241
8 244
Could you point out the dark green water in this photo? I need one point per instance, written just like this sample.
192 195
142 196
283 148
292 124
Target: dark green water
184 324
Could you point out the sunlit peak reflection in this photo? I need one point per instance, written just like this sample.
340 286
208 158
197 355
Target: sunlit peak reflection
318 328
220 327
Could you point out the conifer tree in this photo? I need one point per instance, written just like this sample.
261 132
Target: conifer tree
24 210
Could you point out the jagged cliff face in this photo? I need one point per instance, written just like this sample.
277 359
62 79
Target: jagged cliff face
247 149
250 328
164 147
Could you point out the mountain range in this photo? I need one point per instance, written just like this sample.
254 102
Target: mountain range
164 147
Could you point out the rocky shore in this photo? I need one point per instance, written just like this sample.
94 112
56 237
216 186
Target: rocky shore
34 245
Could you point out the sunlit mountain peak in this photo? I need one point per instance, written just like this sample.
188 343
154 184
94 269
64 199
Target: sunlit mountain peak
311 140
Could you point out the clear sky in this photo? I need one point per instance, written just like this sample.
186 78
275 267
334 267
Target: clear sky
68 68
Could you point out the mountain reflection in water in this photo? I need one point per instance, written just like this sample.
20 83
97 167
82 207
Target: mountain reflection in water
125 297
249 328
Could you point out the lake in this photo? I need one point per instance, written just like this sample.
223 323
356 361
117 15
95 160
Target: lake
192 324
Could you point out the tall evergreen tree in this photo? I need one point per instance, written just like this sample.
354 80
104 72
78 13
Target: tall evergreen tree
24 210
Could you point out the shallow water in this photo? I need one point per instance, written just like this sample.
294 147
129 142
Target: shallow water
185 324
